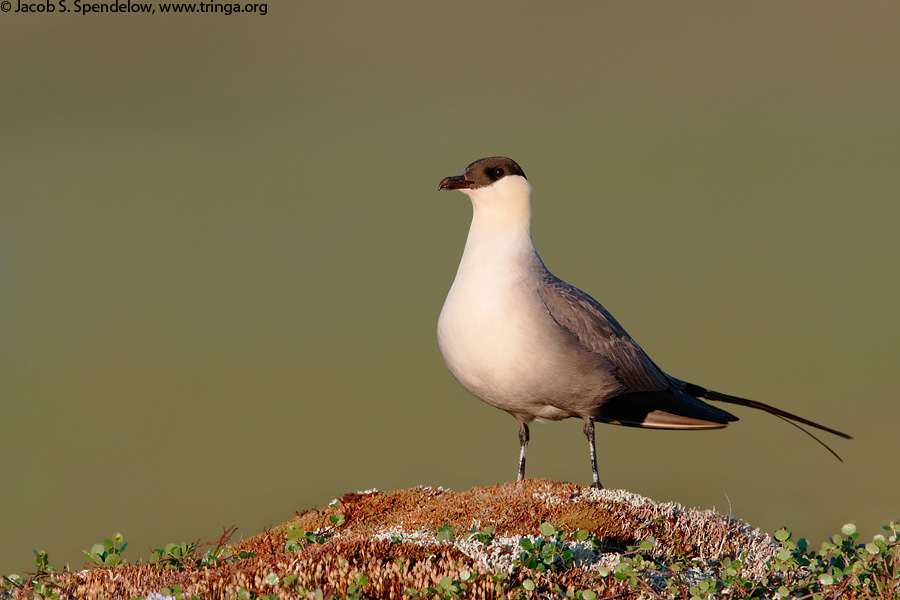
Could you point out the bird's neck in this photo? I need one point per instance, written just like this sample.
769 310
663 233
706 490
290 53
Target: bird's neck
499 246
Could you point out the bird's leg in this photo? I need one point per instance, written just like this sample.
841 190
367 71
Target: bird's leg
589 434
523 445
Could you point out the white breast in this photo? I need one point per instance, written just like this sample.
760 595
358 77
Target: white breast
486 331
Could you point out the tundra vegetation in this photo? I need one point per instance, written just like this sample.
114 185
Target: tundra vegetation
533 539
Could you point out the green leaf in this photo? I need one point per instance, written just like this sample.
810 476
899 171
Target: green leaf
271 579
782 534
547 530
588 595
582 534
444 533
528 585
873 548
826 579
848 529
646 545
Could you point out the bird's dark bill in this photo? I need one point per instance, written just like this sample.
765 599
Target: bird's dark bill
456 182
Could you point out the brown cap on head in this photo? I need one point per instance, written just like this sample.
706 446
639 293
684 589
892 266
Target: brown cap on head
481 173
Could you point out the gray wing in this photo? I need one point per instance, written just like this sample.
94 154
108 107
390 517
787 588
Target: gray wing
598 331
649 397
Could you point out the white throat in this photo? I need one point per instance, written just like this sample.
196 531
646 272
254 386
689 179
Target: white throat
507 202
500 234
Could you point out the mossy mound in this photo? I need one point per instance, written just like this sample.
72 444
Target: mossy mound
427 541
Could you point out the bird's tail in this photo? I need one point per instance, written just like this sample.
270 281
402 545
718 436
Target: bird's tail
701 392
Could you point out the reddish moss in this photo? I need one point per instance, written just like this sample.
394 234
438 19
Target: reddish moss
512 508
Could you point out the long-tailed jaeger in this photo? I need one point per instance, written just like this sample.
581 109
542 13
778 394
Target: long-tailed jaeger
524 341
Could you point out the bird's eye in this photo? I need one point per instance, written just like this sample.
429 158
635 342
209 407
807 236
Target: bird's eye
497 173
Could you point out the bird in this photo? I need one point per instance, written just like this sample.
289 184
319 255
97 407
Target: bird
524 341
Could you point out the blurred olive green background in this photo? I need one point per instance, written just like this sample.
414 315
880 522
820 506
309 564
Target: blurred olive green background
223 253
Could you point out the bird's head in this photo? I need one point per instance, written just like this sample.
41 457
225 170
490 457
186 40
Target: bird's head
497 187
